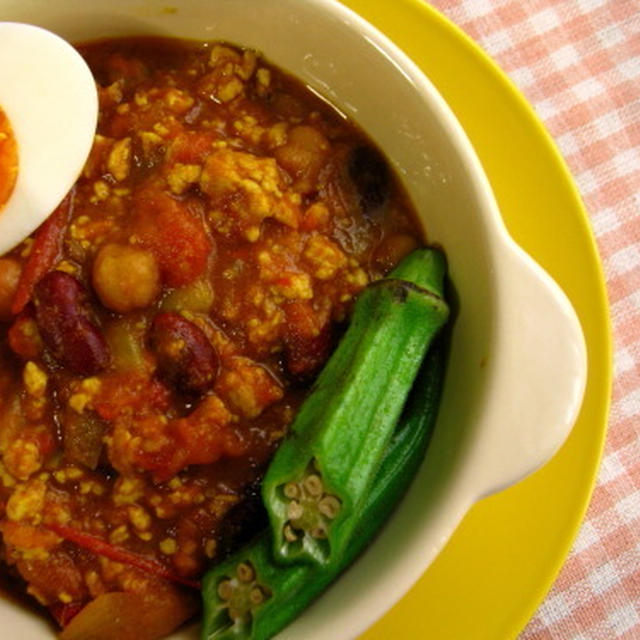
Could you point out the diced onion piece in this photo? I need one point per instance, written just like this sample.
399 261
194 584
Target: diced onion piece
130 616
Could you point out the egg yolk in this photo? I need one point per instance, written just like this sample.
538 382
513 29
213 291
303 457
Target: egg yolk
8 158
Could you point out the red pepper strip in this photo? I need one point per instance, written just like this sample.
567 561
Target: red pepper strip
46 248
101 548
65 613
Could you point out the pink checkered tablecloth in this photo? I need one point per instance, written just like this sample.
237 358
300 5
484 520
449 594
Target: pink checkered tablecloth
578 63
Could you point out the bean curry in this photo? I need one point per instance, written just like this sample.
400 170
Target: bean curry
159 331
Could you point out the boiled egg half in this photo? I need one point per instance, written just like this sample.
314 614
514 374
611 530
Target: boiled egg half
48 117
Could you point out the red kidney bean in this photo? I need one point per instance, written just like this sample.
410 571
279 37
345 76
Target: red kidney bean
62 315
184 355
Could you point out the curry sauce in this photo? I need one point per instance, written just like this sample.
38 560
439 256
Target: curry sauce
160 330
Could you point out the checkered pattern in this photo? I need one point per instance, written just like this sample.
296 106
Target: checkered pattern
578 63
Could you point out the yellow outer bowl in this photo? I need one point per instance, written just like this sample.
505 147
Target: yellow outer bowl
494 572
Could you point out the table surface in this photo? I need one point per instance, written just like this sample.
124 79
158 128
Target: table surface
578 64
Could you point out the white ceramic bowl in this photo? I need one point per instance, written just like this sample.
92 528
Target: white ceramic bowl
517 368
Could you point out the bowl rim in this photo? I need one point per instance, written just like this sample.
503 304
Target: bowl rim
462 497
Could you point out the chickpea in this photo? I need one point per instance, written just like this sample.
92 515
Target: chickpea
303 156
9 275
125 277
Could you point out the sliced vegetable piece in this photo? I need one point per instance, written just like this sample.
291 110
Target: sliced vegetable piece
102 548
83 434
44 253
196 297
252 597
320 474
125 337
130 616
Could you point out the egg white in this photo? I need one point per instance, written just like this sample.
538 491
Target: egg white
49 95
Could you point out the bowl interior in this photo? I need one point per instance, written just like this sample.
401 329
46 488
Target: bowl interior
344 60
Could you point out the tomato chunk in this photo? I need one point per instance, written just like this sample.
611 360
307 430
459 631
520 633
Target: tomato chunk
175 233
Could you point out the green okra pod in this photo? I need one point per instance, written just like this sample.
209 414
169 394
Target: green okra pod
252 597
324 469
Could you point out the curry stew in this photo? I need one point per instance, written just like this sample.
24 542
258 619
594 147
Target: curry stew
159 331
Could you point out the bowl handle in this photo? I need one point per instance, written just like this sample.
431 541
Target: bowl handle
532 404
